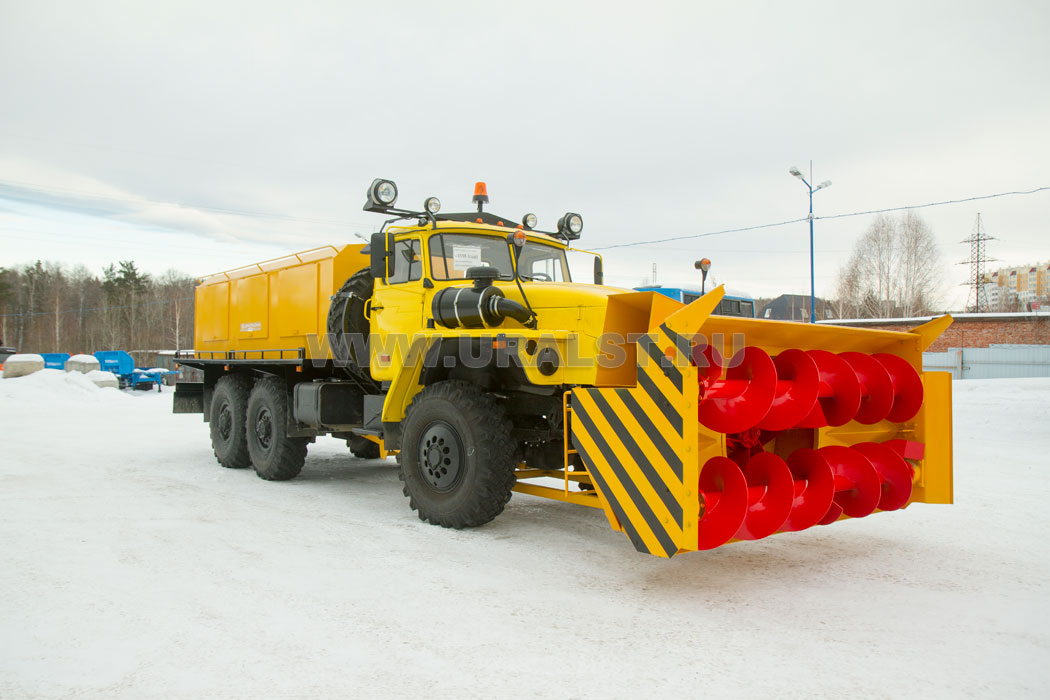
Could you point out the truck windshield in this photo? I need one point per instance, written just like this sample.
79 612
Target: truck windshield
543 263
452 254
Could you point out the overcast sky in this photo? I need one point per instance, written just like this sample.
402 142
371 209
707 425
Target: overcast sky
203 136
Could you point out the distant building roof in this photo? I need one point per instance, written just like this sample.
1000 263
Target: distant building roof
795 307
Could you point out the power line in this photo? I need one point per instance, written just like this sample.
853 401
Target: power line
701 235
830 216
89 240
180 205
936 204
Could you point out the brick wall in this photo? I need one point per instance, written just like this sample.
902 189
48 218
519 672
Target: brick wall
969 331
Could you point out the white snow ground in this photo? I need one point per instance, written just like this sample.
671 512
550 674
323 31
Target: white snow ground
133 566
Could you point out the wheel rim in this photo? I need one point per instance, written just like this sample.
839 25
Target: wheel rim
441 457
225 422
264 428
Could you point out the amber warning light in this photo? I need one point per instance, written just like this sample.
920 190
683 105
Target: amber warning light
481 194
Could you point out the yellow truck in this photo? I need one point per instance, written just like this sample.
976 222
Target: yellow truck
462 344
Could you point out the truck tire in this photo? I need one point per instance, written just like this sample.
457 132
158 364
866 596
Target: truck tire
363 448
457 457
229 408
346 319
275 456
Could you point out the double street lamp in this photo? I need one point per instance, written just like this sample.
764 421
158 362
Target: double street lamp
812 282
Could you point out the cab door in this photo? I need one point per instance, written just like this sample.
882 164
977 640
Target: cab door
396 312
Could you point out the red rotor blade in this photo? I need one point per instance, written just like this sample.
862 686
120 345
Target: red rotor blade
797 384
770 493
857 485
814 490
725 502
876 387
839 391
907 387
742 399
894 472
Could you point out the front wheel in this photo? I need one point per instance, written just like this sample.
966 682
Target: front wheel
457 456
275 455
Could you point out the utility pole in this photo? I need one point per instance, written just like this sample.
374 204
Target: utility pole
978 258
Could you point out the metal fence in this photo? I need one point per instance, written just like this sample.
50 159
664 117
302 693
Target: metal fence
993 362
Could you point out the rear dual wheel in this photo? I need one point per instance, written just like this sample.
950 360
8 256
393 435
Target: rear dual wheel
274 455
248 426
229 403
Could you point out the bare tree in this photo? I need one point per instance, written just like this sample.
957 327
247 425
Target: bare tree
895 270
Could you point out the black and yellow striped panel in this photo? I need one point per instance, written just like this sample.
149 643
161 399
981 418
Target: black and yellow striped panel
631 441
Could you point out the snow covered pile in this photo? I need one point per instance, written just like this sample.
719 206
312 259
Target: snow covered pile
103 379
57 389
82 363
22 365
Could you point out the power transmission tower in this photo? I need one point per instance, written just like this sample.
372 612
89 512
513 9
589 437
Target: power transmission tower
978 258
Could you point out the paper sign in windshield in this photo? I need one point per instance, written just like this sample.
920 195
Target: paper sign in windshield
466 256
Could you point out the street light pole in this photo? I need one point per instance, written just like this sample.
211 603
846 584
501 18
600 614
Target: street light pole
812 277
703 265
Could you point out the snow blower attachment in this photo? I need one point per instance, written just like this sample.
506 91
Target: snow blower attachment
803 425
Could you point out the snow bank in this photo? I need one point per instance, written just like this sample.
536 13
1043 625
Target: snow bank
57 390
22 365
82 363
103 380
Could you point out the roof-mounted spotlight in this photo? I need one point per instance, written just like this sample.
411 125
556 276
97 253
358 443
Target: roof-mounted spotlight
381 195
570 226
529 221
432 205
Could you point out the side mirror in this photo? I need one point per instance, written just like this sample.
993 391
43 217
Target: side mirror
377 256
599 274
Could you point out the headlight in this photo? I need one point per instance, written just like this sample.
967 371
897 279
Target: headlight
529 221
383 192
570 226
432 205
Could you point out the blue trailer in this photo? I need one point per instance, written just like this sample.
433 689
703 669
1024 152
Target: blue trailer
55 360
732 304
123 366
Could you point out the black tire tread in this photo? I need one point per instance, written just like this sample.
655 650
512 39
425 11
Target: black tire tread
363 448
496 449
289 453
235 388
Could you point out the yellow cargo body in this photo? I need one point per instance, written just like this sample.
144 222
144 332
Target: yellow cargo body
275 307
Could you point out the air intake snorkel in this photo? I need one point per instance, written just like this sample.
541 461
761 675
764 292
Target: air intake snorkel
516 240
479 305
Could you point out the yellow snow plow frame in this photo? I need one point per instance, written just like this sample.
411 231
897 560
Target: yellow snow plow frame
643 446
